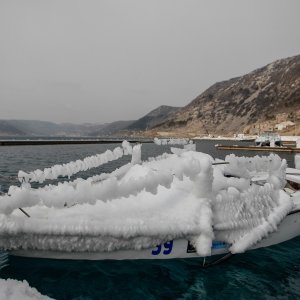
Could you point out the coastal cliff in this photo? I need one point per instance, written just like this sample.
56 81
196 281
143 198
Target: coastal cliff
249 103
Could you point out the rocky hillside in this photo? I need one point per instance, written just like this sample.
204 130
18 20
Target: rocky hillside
6 129
240 104
250 103
153 118
118 128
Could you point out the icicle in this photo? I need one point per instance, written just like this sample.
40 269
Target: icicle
74 167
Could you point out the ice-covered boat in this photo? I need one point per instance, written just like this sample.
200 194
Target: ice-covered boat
179 205
268 139
178 248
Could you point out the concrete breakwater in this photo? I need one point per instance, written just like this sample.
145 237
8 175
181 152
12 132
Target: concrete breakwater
66 142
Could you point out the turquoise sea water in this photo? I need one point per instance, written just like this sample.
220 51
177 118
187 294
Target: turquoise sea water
269 273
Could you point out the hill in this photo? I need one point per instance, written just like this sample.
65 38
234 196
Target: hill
7 129
43 128
153 118
49 129
117 128
249 103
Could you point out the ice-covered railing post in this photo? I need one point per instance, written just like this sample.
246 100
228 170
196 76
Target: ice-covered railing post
136 154
190 146
127 148
203 182
297 156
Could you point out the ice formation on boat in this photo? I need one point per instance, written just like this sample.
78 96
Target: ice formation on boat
159 142
297 161
144 203
297 156
74 167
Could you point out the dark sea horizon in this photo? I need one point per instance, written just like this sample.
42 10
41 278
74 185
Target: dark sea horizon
267 273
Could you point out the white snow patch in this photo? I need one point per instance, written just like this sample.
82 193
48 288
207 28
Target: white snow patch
297 162
11 289
159 142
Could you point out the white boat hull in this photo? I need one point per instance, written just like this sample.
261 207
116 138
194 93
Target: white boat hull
288 229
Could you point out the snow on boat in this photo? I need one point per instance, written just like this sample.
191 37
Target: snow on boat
268 139
179 205
178 248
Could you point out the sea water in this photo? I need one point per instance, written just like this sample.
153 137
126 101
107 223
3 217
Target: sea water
269 273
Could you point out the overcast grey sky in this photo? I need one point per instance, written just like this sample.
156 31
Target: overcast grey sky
108 60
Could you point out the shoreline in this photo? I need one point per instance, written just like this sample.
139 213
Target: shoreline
27 142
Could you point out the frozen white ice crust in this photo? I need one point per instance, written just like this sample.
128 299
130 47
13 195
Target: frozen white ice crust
73 167
142 204
160 142
11 289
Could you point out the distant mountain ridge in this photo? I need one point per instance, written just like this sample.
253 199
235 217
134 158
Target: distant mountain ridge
114 128
118 128
44 128
241 103
153 118
7 129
